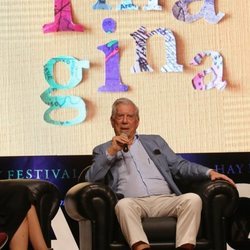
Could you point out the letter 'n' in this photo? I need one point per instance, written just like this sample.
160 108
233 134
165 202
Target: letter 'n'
141 36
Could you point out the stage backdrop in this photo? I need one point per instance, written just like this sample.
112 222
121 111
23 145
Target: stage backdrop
190 120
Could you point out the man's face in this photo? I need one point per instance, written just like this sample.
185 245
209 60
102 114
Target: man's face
125 121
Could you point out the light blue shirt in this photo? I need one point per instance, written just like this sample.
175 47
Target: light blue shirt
137 174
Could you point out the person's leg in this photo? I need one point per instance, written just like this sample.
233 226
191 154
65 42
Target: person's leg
28 230
20 239
35 232
187 209
129 212
189 216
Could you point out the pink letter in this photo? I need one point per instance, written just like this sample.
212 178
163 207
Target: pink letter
63 18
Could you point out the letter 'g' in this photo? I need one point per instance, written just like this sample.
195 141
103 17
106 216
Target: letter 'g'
67 101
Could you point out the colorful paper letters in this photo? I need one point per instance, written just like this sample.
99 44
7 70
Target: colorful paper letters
67 101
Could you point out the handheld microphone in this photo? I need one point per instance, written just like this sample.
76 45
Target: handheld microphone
125 146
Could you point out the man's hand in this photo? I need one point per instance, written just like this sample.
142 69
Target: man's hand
117 143
215 175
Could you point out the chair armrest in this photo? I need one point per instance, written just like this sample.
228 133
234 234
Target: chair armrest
93 202
215 194
46 195
219 201
46 198
85 200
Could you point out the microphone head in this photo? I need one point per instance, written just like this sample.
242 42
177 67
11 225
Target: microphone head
124 133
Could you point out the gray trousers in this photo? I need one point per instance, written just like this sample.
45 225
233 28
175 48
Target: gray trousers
185 207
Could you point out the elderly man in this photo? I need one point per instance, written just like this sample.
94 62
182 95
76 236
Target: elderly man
142 167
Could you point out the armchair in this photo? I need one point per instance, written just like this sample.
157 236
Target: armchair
47 200
92 205
239 226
